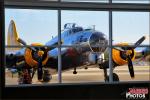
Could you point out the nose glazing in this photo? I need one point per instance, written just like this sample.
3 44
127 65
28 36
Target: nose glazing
98 42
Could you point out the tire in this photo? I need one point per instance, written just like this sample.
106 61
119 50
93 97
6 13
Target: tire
24 77
115 78
46 76
74 72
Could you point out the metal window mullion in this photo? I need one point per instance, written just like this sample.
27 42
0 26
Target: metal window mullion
149 42
56 46
76 5
110 46
59 48
2 50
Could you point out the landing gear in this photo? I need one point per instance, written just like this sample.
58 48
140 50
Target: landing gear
86 67
105 75
75 72
24 76
115 76
46 76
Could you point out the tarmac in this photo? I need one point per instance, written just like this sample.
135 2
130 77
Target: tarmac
92 74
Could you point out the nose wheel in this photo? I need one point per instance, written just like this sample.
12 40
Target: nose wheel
86 67
75 72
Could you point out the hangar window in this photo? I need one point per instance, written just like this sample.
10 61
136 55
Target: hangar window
45 21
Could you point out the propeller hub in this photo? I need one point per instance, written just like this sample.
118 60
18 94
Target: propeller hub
40 53
128 52
32 55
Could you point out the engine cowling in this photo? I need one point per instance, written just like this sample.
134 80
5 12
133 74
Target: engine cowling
31 60
119 57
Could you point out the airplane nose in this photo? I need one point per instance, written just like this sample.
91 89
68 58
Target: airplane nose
96 41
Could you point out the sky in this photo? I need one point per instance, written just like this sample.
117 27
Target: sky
38 26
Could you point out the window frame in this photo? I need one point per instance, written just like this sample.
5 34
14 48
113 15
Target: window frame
58 5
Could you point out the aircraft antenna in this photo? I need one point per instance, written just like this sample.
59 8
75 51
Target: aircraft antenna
94 27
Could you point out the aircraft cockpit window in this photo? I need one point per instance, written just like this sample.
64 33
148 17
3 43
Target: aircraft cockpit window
69 25
77 29
73 28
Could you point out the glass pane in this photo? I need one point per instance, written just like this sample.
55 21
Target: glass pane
80 64
15 75
141 66
86 32
131 28
35 26
131 1
82 27
98 1
30 27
